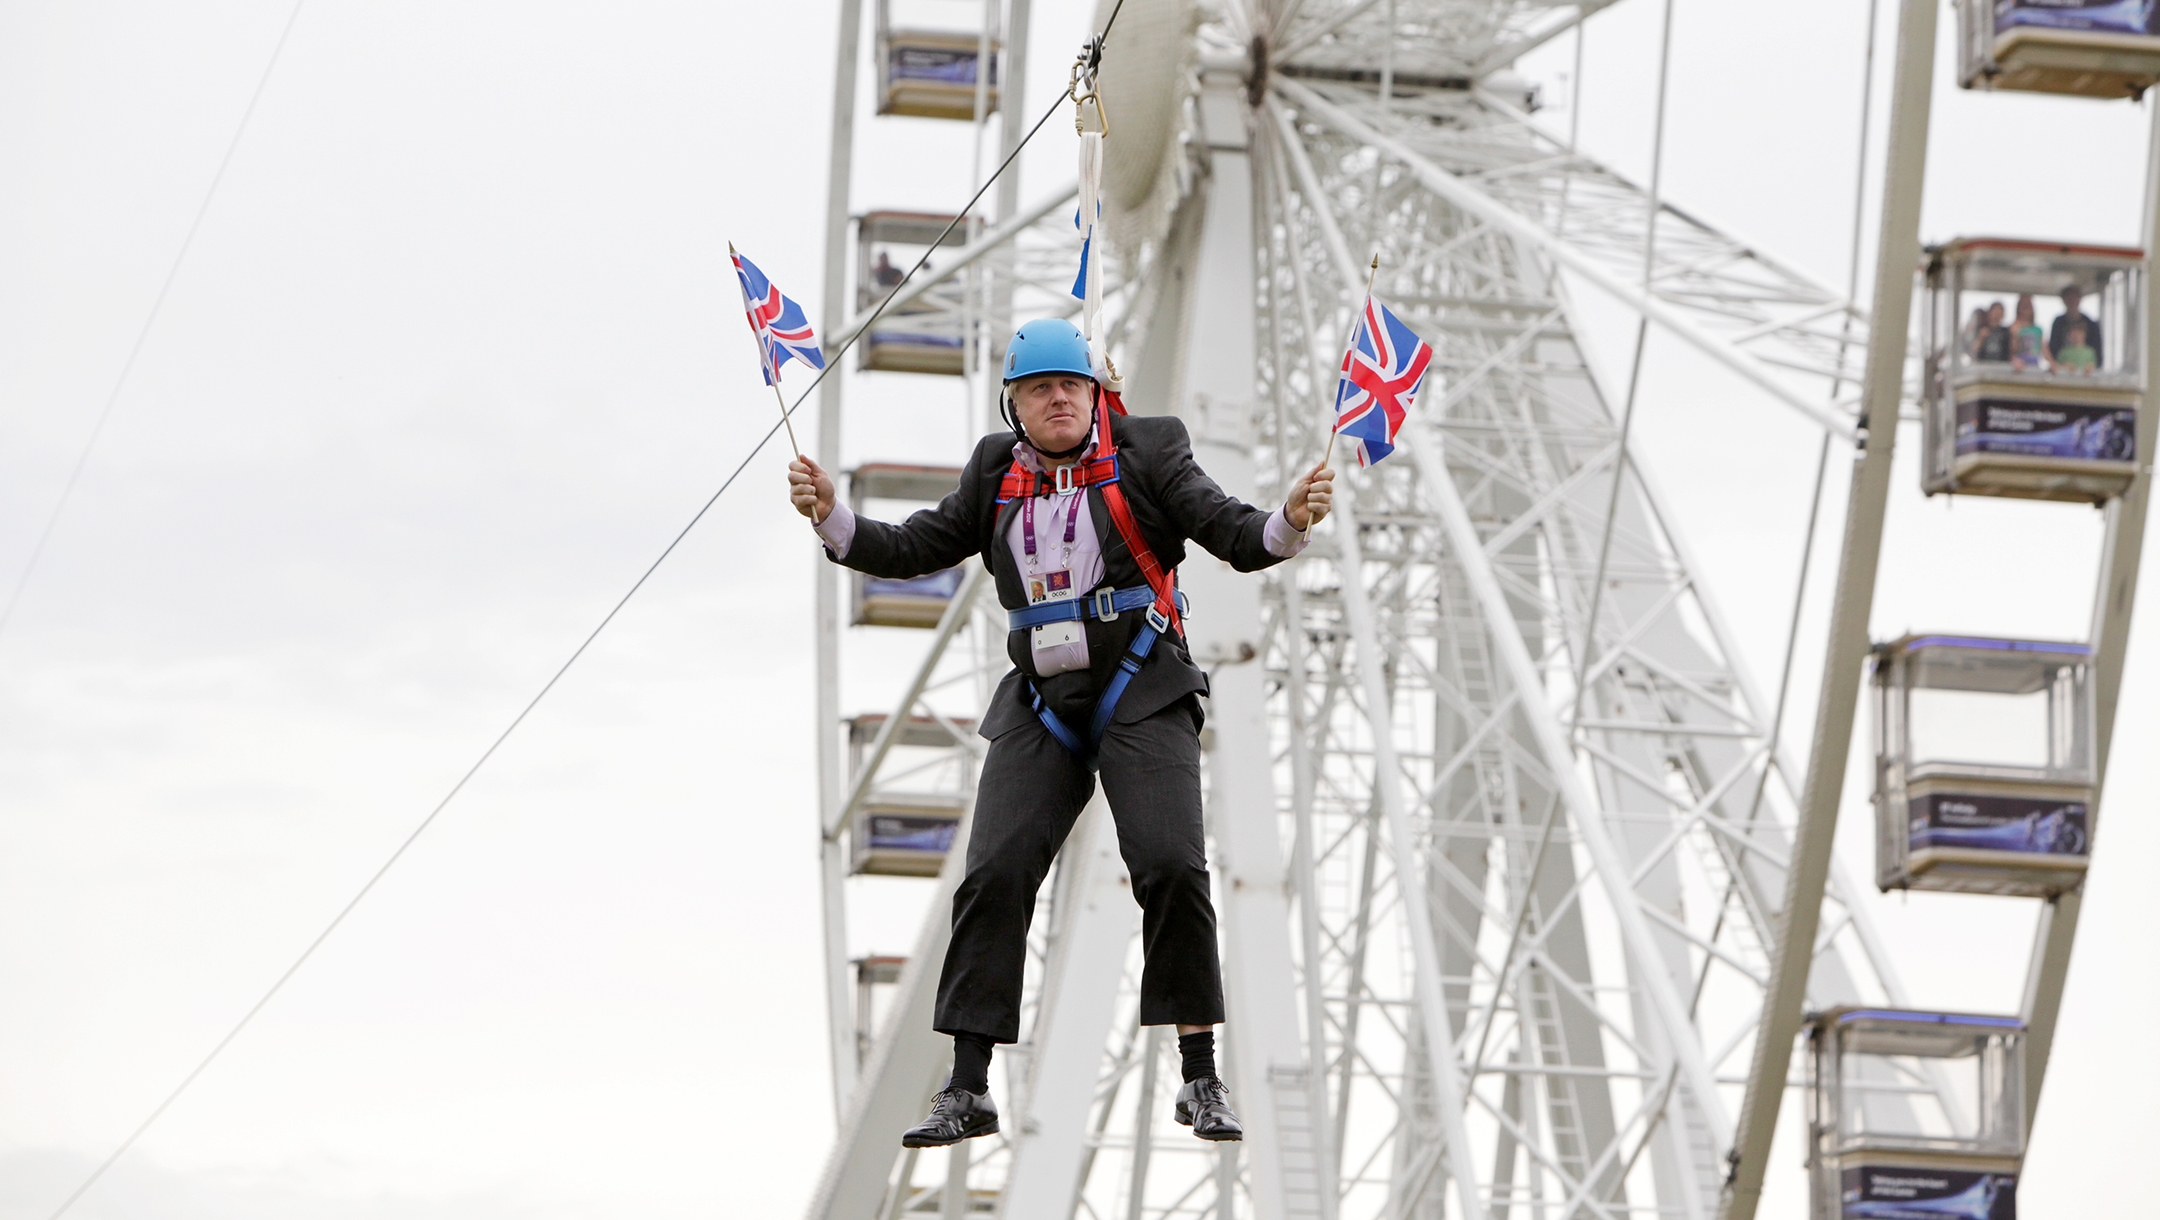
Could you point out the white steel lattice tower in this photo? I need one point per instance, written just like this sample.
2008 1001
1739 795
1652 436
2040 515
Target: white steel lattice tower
1498 820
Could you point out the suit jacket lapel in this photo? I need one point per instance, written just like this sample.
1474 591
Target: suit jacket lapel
999 553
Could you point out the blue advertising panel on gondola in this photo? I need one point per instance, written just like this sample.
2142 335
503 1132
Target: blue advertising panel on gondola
941 65
893 832
2076 48
939 585
2037 825
899 334
2100 16
1891 1192
2046 429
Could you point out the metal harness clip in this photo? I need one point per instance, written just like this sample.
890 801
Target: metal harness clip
1105 604
1065 478
1083 90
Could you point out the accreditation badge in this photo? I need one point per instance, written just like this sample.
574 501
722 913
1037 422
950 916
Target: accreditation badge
1053 587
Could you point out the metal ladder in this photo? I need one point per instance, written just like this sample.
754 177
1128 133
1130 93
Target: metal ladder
1297 1140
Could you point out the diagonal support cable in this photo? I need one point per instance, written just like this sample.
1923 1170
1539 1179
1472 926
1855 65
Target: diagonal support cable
157 305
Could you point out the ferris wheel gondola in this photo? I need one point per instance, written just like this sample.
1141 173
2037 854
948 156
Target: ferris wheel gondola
932 71
2083 48
1915 1114
1984 764
2015 408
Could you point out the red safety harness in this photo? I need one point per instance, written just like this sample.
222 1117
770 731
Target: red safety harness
1100 470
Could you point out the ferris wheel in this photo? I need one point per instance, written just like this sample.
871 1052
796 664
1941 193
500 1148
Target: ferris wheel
1511 850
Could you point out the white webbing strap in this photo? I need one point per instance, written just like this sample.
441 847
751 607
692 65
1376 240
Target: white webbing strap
1091 163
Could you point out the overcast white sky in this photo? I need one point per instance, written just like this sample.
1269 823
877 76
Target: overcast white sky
453 356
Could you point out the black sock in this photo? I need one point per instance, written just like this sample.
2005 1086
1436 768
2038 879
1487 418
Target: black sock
1199 1052
971 1063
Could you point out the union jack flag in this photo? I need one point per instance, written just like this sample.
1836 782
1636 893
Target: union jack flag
782 329
1381 374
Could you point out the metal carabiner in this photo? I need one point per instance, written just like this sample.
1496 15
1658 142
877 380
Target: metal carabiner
1083 91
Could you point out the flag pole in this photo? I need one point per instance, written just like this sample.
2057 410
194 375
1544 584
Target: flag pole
782 400
772 375
1347 341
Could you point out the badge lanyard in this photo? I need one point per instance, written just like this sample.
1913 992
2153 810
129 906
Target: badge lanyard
1027 528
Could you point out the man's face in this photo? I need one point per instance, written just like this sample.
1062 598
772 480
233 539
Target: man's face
1053 410
2072 298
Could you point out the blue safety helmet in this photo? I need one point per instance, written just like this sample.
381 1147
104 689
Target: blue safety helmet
1047 345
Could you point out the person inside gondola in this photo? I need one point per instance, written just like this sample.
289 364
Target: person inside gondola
1992 345
2058 334
2077 354
1969 338
2028 343
887 275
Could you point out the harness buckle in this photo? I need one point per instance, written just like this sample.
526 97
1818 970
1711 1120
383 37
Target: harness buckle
1158 620
1105 604
1065 478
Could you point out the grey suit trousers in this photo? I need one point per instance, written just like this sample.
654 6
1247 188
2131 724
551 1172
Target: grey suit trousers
1032 789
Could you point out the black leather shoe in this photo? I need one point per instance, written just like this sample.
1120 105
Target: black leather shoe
956 1115
1204 1105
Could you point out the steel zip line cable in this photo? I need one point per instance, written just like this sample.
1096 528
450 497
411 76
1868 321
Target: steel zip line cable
410 839
351 904
157 304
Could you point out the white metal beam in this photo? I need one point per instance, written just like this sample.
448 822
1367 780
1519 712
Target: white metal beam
1506 53
1271 1087
1847 890
1882 391
1432 1010
957 612
1483 206
906 1064
2112 603
1310 38
832 870
1584 813
1552 742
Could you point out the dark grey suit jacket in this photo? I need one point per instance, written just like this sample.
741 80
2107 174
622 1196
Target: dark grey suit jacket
1172 499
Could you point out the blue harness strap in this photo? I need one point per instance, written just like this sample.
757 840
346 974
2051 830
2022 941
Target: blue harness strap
1165 605
1105 604
1059 729
1136 655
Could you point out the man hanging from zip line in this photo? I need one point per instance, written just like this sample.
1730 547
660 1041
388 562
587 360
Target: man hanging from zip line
1102 681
